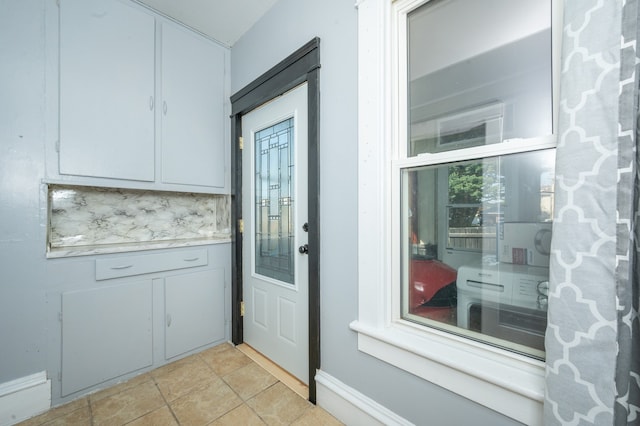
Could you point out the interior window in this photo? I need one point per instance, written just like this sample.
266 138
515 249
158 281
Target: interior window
476 233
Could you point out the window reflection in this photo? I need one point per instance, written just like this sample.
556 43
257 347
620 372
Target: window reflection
477 247
478 72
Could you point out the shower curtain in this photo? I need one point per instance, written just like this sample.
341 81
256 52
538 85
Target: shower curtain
593 336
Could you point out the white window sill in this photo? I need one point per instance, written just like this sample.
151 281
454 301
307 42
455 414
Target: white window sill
508 383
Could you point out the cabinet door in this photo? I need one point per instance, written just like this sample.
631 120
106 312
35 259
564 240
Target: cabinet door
192 109
194 308
107 64
106 332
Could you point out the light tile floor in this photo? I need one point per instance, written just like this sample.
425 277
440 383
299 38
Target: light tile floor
219 386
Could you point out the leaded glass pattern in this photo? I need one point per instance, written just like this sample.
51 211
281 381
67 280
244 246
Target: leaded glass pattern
274 230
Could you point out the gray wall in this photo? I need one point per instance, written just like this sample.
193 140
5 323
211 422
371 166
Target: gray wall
289 25
22 232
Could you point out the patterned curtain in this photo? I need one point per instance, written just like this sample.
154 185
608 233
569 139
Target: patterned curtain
593 337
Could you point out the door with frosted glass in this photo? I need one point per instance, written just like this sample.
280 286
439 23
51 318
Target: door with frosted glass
274 205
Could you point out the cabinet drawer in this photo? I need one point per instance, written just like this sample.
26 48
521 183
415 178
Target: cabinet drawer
144 264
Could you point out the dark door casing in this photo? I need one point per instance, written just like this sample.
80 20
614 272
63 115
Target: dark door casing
301 66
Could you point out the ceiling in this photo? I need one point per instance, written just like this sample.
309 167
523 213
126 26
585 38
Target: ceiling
222 20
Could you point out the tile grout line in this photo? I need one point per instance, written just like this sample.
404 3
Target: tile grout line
195 388
90 411
221 377
165 400
275 370
254 396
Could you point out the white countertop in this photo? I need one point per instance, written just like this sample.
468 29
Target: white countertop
87 250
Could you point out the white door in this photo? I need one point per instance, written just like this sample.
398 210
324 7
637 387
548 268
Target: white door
274 206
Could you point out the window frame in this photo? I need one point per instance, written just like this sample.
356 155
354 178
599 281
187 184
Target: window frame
507 382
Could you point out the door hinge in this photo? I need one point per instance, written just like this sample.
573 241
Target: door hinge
240 142
242 308
58 145
60 316
241 226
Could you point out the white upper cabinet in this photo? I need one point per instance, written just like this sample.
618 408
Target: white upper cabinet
107 64
142 100
192 109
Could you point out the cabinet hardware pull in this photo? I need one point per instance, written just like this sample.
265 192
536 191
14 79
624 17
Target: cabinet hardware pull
191 259
164 107
168 320
150 103
122 267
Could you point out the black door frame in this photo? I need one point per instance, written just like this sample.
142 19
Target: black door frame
301 66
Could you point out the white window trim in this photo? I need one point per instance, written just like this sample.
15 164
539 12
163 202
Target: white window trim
503 381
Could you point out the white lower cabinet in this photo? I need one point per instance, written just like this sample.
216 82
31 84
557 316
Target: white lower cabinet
122 315
194 306
106 332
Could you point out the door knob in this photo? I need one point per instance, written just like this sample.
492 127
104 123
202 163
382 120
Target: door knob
304 249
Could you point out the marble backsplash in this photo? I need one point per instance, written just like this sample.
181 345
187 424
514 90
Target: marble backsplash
90 216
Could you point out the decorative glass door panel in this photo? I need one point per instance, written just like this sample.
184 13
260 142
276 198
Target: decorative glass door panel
274 231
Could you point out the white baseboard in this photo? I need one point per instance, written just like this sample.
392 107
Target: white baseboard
23 398
352 407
